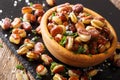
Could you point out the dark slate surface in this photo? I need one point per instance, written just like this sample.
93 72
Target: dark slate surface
103 7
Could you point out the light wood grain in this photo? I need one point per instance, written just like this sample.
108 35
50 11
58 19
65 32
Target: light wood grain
8 64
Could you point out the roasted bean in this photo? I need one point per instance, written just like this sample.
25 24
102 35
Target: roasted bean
57 20
51 2
39 12
101 48
29 17
32 55
73 17
60 29
117 60
22 50
46 59
26 26
39 19
58 77
58 37
50 26
77 8
75 73
87 19
26 10
15 38
6 23
92 73
37 6
41 70
73 78
62 17
39 48
16 23
70 42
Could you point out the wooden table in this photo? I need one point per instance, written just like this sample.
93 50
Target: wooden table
8 63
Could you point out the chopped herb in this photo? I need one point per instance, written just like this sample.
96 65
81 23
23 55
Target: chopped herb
53 64
19 67
105 52
90 55
38 76
34 32
53 14
63 41
51 37
87 14
68 33
31 4
1 46
81 49
35 38
21 18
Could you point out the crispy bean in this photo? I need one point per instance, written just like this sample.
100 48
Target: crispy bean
6 24
32 55
70 42
101 48
51 2
29 17
39 19
39 12
22 50
77 8
60 29
73 78
39 47
41 70
58 37
15 38
92 73
16 23
47 59
73 17
26 26
75 73
57 20
37 6
58 77
26 10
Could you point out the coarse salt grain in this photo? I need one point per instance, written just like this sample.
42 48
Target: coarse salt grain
6 35
15 3
1 11
43 4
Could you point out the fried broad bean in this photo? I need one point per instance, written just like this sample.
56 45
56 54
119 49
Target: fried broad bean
15 38
29 17
58 77
57 29
6 24
20 32
46 59
16 23
39 48
70 41
51 2
92 73
75 73
37 6
41 70
87 19
57 20
26 9
97 23
58 37
64 8
77 8
26 26
39 12
73 17
32 55
22 50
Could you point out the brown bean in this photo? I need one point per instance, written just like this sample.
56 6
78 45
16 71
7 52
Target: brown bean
37 6
16 23
47 59
51 2
39 48
62 17
77 8
56 30
38 30
73 78
39 19
72 28
6 24
26 26
29 17
15 38
39 12
41 70
26 10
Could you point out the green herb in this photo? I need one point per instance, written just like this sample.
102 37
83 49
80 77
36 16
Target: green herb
53 64
81 49
30 59
53 14
35 38
38 76
68 33
51 37
63 41
90 55
1 46
34 32
105 52
31 4
87 14
19 67
21 18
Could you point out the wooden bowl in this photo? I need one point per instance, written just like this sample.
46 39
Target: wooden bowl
68 57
